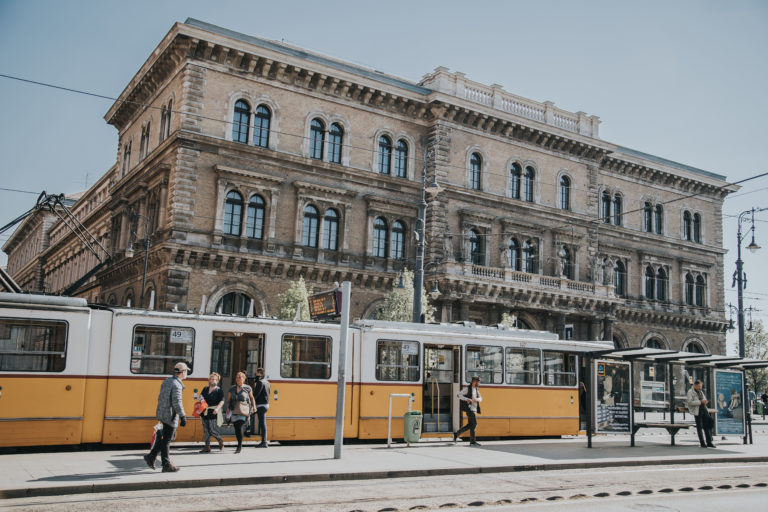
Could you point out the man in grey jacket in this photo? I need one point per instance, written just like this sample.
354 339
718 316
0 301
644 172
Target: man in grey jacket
170 411
697 405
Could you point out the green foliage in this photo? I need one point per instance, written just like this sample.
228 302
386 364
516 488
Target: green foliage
287 301
508 320
756 347
398 304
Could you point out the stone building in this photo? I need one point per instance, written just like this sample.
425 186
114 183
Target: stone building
247 163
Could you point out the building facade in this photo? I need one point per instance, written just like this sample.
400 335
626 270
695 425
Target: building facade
244 164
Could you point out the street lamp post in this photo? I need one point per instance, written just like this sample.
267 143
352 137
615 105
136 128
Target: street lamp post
740 278
129 252
418 273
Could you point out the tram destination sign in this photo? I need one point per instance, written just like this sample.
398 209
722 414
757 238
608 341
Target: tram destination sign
325 305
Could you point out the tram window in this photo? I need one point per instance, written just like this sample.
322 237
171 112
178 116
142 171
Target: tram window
157 349
559 369
486 363
305 357
523 366
397 360
32 345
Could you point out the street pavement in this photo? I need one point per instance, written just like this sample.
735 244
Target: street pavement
46 474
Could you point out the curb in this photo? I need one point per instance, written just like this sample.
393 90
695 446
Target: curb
330 477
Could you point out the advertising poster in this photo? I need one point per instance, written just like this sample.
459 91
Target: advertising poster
727 399
653 394
613 391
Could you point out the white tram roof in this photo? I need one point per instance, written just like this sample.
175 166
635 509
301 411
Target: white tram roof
25 299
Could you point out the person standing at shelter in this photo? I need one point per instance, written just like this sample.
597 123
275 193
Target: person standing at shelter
764 398
261 396
697 405
240 403
170 411
214 397
470 398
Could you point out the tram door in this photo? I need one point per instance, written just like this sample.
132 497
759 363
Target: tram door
236 351
441 384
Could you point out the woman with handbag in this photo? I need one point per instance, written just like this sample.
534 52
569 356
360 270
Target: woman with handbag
240 403
214 396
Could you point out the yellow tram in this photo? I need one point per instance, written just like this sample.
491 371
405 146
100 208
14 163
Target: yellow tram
71 373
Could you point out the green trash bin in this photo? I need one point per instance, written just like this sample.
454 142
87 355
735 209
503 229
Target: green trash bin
412 426
760 407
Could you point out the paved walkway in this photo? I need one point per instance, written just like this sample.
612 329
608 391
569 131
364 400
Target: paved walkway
36 474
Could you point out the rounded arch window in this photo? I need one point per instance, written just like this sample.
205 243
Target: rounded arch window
618 208
528 178
331 230
335 143
661 284
514 254
529 257
694 347
401 159
565 193
476 252
700 291
398 240
309 229
655 343
240 121
619 278
316 139
254 225
650 283
385 155
475 167
261 124
515 177
380 231
689 286
233 213
687 225
234 303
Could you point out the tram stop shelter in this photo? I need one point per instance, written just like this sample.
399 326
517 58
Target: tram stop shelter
622 383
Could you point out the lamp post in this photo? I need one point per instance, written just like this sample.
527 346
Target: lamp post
418 274
129 251
740 278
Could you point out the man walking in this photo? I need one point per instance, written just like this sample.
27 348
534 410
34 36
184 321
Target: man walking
470 403
170 411
697 405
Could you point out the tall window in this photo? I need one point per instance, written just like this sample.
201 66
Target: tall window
659 219
515 175
565 193
144 143
401 159
650 283
606 208
261 123
475 166
254 225
165 121
240 122
689 286
380 238
687 226
701 288
335 142
163 113
697 228
529 260
648 217
661 285
385 155
619 279
528 178
331 230
127 157
617 210
316 139
566 263
309 231
233 213
398 239
514 255
604 272
476 252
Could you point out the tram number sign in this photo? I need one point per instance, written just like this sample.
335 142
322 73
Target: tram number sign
325 304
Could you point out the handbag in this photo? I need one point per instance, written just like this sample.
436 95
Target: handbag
242 409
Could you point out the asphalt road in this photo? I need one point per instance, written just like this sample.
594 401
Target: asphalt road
649 488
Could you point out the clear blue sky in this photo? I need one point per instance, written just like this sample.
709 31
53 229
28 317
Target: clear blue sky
685 80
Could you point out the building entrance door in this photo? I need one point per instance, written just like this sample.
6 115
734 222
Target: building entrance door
441 384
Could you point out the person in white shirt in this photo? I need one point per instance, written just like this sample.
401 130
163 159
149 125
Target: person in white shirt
470 398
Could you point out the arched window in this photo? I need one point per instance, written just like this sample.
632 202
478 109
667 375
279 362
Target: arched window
127 157
529 259
566 262
309 231
650 283
233 213
605 211
514 255
240 122
617 210
398 240
168 113
528 178
331 230
475 166
694 347
619 279
163 113
655 343
380 238
401 159
697 228
316 139
335 143
254 224
261 126
687 226
165 121
701 288
648 217
661 285
234 304
515 175
565 193
689 286
385 155
476 252
659 219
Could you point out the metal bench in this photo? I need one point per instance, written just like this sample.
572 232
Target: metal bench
672 428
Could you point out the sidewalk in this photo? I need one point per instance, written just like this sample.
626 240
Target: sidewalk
37 474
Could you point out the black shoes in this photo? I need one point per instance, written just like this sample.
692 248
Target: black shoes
237 450
711 446
263 444
455 437
170 468
150 461
474 443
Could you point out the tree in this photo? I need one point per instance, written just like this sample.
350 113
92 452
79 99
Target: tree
756 347
287 301
398 304
508 320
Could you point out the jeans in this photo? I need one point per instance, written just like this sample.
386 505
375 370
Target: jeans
162 439
700 426
210 429
471 424
261 412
